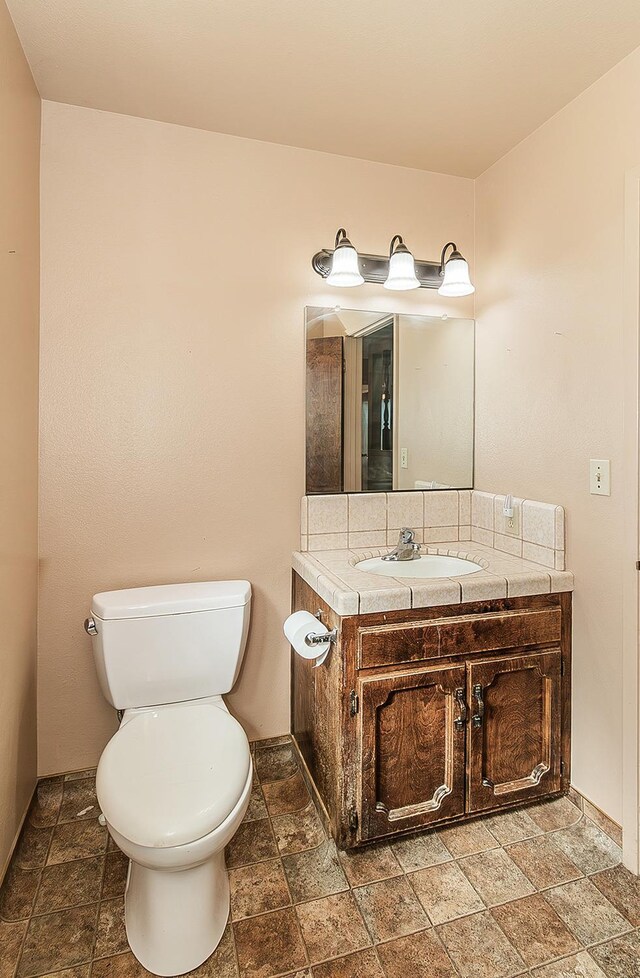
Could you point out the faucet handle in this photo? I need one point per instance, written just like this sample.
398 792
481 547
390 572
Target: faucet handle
407 535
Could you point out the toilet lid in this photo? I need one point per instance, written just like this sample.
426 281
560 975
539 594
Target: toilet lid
172 775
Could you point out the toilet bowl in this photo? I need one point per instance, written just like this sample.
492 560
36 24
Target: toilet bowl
174 782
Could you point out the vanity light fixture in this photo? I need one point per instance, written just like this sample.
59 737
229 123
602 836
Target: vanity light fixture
402 269
455 273
344 265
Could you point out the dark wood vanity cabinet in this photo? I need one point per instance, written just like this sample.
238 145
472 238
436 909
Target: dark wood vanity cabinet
434 715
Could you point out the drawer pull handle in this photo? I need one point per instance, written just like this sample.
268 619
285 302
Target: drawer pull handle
460 721
478 717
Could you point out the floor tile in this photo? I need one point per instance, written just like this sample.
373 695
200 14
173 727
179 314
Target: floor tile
495 877
80 971
116 867
558 813
420 851
586 911
332 927
298 831
588 847
390 909
81 775
370 864
622 889
535 930
32 848
18 893
283 797
270 742
418 955
221 964
257 807
445 892
467 838
579 965
314 873
76 840
11 936
58 940
514 826
70 885
542 862
275 763
479 949
362 964
111 935
46 803
270 944
619 958
79 801
257 888
253 842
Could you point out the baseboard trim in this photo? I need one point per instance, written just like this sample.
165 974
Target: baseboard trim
16 838
608 826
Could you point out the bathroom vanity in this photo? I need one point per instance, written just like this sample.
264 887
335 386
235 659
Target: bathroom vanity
446 694
424 716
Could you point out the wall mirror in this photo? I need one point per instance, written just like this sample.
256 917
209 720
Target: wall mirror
389 401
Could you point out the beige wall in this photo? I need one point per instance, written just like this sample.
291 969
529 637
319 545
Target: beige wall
19 164
176 266
550 369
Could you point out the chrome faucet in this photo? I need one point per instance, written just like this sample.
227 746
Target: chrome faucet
407 548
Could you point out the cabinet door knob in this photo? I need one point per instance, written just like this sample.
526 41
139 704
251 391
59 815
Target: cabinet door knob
459 722
478 716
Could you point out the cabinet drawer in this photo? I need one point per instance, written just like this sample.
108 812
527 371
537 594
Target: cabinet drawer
385 645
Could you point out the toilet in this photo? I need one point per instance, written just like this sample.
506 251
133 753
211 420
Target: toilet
174 782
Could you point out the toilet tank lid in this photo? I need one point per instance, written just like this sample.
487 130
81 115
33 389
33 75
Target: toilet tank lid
170 599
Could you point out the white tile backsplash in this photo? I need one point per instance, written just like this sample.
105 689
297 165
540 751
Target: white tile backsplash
405 509
367 511
539 523
357 520
440 509
328 514
482 510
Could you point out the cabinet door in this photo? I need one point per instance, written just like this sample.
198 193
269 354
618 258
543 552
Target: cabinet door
515 729
413 749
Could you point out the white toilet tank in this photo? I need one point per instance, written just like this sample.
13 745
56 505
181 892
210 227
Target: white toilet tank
168 644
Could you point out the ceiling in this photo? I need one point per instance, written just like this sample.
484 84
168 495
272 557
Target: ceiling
446 86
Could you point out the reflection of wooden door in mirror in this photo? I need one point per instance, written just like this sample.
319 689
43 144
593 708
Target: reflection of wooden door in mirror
377 418
325 372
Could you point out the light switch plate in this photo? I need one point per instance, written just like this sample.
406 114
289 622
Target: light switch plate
600 476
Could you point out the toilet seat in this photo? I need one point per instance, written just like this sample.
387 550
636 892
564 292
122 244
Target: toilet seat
173 774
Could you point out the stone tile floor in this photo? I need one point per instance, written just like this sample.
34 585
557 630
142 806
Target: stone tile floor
539 891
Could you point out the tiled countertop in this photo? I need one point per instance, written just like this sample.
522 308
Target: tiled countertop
334 575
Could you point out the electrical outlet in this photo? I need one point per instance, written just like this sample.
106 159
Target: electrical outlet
404 458
600 477
512 523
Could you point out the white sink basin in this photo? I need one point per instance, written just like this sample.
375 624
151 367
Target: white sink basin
428 565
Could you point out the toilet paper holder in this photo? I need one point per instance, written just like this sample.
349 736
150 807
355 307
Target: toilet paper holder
317 638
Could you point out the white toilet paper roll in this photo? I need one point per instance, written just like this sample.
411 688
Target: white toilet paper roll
296 628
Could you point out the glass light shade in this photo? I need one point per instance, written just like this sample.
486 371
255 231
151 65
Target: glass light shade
344 268
456 281
402 272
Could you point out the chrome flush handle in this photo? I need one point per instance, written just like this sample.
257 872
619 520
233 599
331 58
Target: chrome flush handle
90 626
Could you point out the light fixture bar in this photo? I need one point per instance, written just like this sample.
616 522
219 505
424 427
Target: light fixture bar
375 269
